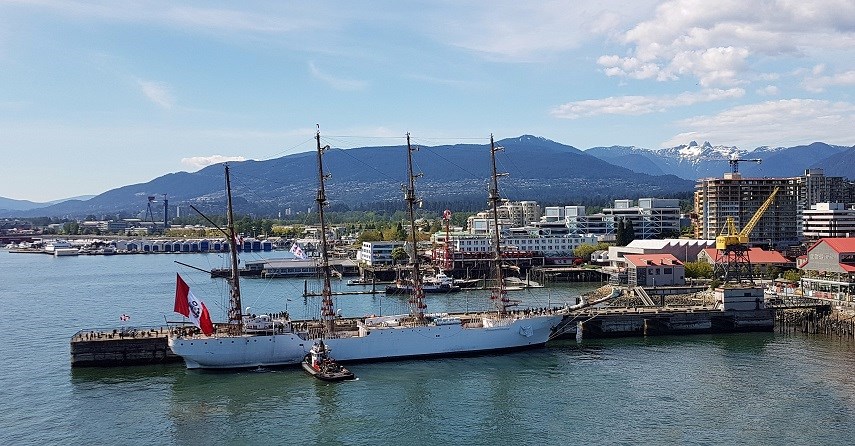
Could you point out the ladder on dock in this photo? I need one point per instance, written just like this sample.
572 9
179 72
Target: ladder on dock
639 291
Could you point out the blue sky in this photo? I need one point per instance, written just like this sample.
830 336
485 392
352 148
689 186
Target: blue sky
100 94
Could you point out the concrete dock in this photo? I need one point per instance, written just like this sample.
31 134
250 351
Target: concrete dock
625 322
120 347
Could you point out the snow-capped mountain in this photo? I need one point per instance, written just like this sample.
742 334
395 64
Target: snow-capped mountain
693 160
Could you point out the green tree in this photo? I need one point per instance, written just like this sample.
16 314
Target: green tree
71 228
698 270
400 234
793 275
369 235
586 249
399 254
629 231
619 233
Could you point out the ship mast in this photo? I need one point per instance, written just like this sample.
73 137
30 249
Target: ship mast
499 294
448 261
327 313
417 299
235 308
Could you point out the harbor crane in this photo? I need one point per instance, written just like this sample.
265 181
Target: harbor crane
732 246
149 214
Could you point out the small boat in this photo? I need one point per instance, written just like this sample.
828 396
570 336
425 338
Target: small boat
467 283
319 364
439 283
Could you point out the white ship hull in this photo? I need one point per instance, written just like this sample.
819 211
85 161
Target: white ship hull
378 344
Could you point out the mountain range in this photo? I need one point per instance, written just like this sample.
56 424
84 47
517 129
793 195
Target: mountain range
693 160
453 177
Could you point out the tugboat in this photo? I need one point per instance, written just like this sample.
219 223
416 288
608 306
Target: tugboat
319 364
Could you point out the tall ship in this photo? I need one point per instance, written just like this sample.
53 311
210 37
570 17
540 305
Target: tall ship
243 342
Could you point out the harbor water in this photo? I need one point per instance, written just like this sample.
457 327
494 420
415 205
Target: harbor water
763 388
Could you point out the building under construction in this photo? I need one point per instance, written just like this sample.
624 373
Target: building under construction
716 199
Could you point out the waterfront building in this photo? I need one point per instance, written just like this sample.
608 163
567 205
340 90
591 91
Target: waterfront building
824 220
377 253
687 250
651 218
510 214
654 270
523 241
828 271
278 268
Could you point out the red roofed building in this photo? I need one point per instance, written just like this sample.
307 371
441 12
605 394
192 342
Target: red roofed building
654 270
828 272
762 262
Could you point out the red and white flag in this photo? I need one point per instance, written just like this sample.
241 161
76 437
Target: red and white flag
297 251
192 307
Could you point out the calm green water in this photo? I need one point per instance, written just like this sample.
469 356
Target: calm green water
730 389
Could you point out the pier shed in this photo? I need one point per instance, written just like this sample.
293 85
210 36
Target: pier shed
654 270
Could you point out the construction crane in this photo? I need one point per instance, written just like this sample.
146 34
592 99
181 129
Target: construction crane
735 160
732 245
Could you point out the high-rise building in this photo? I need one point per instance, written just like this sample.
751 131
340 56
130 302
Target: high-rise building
828 220
716 199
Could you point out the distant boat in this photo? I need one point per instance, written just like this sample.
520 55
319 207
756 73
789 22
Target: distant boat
520 283
53 245
62 252
467 283
439 283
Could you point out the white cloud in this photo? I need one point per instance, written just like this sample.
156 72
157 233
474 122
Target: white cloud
157 92
639 105
198 162
769 90
715 43
526 31
820 83
336 82
773 123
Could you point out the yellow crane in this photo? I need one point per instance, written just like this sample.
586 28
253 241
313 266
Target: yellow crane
730 236
732 245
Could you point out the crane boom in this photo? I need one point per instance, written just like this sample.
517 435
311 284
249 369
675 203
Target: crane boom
758 215
731 237
734 162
